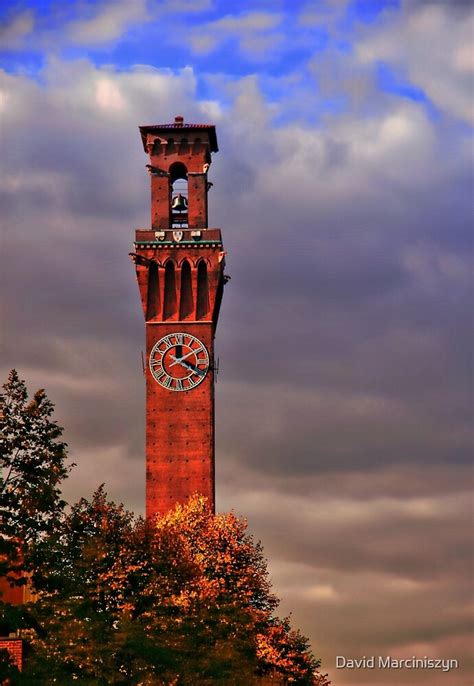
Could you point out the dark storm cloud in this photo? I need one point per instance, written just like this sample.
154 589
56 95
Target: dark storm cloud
340 316
381 535
74 189
351 312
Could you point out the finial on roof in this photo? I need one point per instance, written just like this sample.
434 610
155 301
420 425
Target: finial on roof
179 120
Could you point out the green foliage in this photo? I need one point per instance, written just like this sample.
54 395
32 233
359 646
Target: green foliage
32 467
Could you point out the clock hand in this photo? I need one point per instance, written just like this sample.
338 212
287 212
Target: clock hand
193 367
177 360
187 365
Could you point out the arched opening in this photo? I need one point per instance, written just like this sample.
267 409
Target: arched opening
186 301
153 300
170 146
178 171
170 307
179 195
202 291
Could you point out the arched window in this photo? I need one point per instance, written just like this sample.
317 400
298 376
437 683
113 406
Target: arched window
178 171
153 300
179 195
170 306
202 291
186 301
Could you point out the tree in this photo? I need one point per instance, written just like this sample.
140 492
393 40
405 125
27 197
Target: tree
32 467
185 600
9 673
182 600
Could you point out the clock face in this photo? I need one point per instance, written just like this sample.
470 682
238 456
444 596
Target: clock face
179 361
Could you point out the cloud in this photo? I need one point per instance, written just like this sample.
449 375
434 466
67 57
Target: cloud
254 31
339 563
454 5
411 44
95 24
326 14
14 30
186 5
109 23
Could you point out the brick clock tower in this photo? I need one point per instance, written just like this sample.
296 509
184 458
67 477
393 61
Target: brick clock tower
180 272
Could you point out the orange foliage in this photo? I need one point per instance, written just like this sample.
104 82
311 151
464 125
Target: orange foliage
184 599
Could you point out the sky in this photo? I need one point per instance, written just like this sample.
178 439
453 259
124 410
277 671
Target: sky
343 188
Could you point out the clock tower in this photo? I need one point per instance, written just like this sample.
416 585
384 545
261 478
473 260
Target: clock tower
179 264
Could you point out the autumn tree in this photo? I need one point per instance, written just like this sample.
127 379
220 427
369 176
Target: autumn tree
184 600
178 601
32 467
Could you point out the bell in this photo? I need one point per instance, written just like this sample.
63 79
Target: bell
179 203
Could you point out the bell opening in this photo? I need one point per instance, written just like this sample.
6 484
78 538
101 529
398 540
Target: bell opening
179 195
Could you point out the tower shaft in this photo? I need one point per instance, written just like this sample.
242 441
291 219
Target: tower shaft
179 265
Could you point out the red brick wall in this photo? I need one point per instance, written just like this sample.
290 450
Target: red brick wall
15 648
179 431
177 296
179 424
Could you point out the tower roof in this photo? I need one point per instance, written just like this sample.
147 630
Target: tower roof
179 125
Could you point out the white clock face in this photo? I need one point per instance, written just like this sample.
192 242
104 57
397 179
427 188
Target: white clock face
179 361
